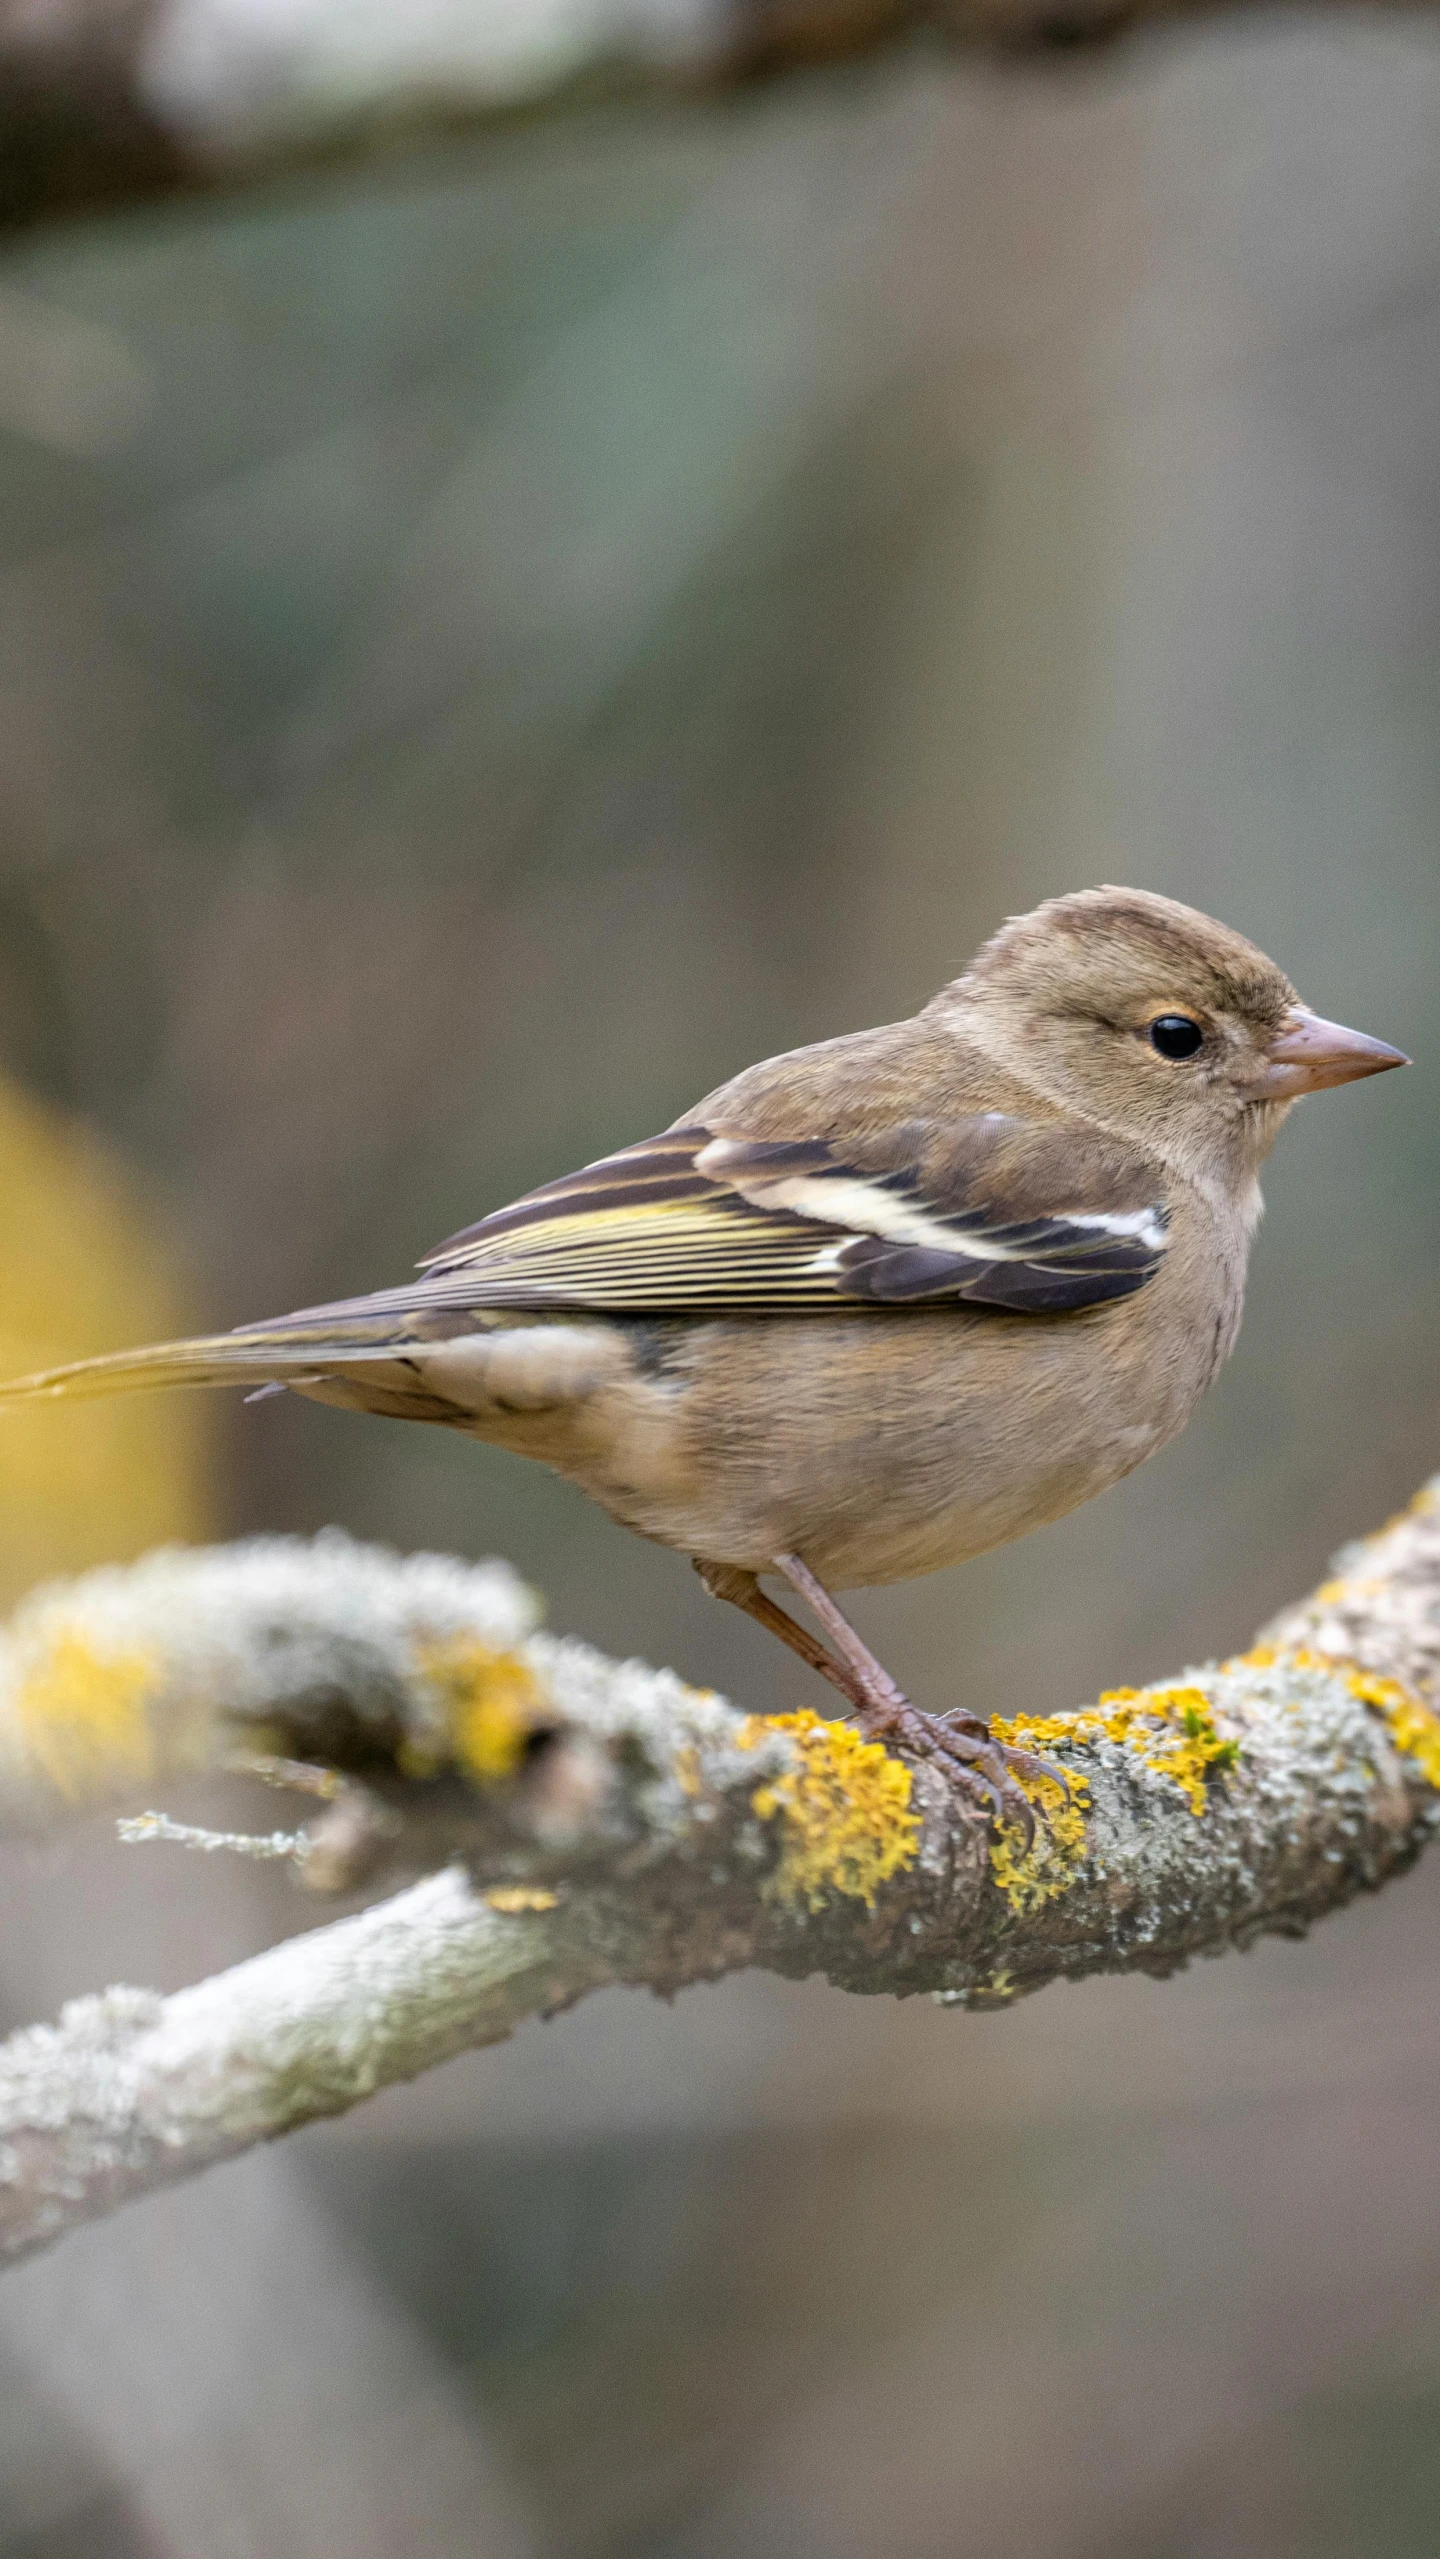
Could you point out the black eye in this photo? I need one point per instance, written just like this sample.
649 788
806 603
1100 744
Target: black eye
1175 1035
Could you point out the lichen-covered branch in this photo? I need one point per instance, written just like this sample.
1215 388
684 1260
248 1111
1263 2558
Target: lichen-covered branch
581 1822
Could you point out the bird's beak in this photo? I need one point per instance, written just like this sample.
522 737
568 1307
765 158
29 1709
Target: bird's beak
1306 1054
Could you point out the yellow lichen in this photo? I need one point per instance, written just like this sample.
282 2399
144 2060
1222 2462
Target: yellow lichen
844 1807
492 1703
83 1716
1171 1729
1197 1748
518 1897
1414 1728
1030 1877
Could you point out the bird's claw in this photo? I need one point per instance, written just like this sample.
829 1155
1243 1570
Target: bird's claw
985 1768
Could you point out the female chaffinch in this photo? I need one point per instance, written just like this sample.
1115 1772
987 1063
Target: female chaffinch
876 1305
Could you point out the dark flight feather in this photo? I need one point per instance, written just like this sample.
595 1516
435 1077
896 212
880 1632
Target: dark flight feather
1025 1218
987 1211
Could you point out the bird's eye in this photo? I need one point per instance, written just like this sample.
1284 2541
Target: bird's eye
1175 1035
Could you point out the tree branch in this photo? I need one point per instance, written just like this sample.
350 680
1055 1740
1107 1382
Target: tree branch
105 99
588 1822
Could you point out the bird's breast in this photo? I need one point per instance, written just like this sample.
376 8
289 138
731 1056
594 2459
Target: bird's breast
881 1444
885 1445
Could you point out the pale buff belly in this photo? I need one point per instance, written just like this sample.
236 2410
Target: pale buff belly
876 1447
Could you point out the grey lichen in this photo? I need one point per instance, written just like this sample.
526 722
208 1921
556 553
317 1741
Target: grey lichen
144 1670
589 1821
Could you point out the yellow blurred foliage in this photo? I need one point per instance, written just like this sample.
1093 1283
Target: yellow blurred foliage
83 1268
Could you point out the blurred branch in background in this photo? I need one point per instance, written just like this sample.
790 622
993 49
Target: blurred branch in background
105 99
589 1823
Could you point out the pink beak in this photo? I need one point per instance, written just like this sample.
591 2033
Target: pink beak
1307 1054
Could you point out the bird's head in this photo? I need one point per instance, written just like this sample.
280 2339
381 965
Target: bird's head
1156 1021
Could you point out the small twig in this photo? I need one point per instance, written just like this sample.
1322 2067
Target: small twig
606 1823
137 1830
295 1776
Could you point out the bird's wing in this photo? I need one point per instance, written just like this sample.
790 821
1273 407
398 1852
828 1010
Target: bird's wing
1036 1218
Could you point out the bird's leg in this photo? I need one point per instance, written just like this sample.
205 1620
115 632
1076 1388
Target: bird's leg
987 1768
730 1581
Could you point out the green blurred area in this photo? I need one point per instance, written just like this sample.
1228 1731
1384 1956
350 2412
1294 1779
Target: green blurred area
486 648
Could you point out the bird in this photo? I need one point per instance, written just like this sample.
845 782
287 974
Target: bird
876 1305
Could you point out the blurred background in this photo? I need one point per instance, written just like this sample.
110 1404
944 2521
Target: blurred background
489 644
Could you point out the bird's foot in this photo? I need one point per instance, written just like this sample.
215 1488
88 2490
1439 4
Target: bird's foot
979 1765
987 1771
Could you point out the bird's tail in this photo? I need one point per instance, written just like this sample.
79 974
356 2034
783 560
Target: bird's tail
292 1352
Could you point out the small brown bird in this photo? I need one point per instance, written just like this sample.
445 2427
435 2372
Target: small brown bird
874 1306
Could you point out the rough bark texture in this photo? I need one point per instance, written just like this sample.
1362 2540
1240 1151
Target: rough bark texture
591 1822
